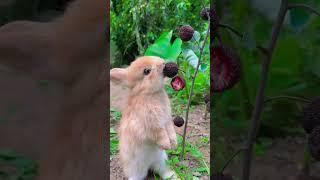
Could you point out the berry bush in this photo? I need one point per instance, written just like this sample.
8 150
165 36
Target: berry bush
264 76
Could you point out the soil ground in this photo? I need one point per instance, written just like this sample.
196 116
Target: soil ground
283 160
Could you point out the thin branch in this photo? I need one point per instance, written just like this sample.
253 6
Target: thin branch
136 29
255 119
233 156
304 6
263 50
191 93
287 97
231 29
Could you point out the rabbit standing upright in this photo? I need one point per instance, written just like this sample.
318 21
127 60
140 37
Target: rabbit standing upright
146 127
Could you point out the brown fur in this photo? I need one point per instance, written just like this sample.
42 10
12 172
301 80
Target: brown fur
69 52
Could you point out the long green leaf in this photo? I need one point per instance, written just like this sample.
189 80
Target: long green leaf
174 50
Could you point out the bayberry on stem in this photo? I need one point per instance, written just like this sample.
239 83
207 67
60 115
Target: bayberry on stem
186 33
191 93
225 68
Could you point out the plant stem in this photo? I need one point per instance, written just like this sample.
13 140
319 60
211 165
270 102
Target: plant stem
304 6
191 93
233 156
287 97
255 119
231 29
136 29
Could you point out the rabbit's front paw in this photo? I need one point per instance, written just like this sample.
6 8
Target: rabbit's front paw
174 142
164 144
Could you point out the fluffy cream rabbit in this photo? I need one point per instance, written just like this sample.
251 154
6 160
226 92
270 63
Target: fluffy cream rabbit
146 127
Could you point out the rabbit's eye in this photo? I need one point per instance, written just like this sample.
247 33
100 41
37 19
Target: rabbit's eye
146 71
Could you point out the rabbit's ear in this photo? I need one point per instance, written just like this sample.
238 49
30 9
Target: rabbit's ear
118 88
118 96
119 76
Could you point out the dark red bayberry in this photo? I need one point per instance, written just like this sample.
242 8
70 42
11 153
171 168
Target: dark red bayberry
178 83
178 121
314 143
170 69
186 33
221 176
213 16
225 68
204 13
311 115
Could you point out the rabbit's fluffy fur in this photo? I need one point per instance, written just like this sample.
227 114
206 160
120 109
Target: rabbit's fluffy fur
146 127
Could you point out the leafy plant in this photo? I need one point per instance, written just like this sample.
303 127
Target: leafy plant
140 22
286 46
164 49
16 166
114 142
116 115
182 170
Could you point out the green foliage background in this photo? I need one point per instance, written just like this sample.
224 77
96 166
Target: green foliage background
153 18
295 71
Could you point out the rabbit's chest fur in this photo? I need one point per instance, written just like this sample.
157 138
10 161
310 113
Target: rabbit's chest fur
145 112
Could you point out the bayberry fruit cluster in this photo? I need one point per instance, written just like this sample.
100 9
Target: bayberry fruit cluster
225 63
206 13
225 68
171 70
178 121
186 33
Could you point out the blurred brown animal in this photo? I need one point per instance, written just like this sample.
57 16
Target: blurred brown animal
63 128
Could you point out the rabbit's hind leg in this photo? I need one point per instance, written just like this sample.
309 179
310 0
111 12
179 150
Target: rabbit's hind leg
137 169
160 166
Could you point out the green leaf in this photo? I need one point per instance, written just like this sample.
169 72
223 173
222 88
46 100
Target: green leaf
160 46
195 178
200 169
174 50
298 19
190 57
203 67
112 131
165 37
196 36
